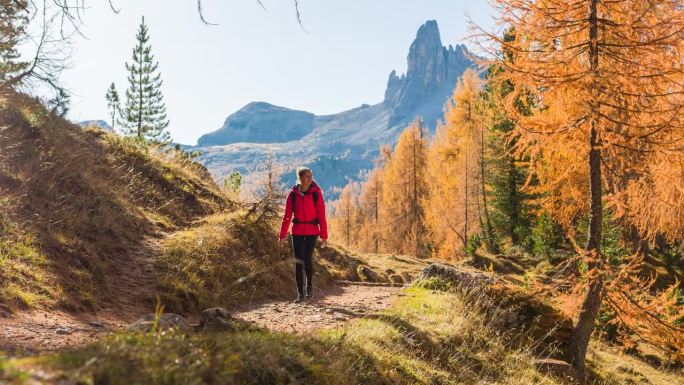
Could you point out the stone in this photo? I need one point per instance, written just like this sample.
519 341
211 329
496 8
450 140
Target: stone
471 280
367 274
216 319
396 278
96 324
507 308
165 321
63 330
557 368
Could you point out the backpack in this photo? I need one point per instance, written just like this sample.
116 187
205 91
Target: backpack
293 198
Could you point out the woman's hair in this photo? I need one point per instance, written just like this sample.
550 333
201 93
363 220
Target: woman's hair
302 170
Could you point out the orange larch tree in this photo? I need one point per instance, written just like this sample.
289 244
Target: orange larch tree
404 191
459 147
606 85
370 200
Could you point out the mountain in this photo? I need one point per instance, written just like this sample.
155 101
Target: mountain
341 146
255 123
98 123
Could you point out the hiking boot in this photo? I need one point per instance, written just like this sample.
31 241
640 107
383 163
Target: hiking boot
299 299
309 293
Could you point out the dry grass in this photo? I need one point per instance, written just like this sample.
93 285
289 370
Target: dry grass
226 260
426 338
386 268
79 202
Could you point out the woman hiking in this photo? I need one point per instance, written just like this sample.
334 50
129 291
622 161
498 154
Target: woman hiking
305 208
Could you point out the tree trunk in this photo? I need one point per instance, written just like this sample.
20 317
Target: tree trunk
579 341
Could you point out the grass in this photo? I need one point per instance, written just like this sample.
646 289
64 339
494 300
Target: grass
346 265
25 283
225 260
79 202
426 338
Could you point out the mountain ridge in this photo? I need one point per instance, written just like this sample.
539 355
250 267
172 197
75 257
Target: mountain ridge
340 146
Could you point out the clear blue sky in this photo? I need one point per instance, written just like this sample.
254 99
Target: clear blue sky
210 72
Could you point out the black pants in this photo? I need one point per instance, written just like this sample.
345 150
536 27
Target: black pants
303 246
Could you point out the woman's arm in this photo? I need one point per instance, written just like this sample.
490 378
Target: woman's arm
287 218
320 214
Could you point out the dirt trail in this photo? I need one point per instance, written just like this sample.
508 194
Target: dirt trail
329 308
36 331
42 331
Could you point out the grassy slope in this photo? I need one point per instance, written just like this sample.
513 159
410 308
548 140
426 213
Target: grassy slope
426 338
225 260
74 204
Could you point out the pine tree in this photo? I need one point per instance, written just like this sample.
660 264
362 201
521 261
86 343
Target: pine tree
113 103
511 207
145 112
14 19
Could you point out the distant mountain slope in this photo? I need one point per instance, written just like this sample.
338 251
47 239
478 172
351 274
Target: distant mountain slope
342 145
255 122
98 123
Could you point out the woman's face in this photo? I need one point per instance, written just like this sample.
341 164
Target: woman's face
305 178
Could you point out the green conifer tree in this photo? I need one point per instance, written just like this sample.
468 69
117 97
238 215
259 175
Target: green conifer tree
512 207
14 17
145 112
113 103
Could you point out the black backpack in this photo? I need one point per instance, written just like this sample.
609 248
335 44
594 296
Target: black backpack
293 198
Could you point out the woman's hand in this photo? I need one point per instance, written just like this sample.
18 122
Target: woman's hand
280 242
324 242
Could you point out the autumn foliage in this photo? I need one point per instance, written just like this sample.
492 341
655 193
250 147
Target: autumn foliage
581 120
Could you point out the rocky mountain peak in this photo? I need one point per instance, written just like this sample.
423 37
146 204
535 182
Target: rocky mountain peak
432 71
426 49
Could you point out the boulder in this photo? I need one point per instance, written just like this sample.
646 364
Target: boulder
558 368
396 278
165 321
216 319
464 279
524 316
366 274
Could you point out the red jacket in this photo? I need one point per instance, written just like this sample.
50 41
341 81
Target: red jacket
306 212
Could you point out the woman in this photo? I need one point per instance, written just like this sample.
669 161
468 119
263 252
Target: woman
305 201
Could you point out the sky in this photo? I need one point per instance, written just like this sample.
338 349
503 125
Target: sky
339 60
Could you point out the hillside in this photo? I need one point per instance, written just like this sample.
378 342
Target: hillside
339 146
76 203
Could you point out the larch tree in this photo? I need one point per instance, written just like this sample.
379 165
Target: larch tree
404 191
465 124
113 104
145 113
370 200
607 89
445 211
347 215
